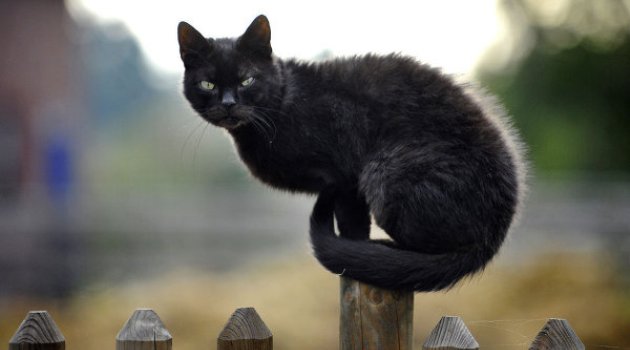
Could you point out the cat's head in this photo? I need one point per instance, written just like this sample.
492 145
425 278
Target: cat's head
230 82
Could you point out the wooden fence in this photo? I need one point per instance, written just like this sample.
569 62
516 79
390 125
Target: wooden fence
371 318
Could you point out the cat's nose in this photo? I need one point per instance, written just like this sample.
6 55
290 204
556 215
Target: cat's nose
228 99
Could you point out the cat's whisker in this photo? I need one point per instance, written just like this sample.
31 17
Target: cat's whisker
190 134
262 126
260 119
265 112
267 109
268 124
203 132
257 127
261 109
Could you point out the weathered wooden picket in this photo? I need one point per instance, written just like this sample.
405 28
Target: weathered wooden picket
371 318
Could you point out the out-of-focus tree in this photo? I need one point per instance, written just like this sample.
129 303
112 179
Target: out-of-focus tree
116 76
563 72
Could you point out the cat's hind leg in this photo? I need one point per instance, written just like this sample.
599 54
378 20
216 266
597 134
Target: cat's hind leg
352 214
420 202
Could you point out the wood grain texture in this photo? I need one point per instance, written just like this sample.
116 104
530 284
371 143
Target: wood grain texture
144 331
245 330
450 334
38 331
557 334
374 318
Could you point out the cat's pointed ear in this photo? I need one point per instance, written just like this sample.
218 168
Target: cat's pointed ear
257 39
193 47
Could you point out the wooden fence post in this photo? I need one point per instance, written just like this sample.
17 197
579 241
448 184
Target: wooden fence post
245 330
38 331
374 318
557 334
450 334
144 331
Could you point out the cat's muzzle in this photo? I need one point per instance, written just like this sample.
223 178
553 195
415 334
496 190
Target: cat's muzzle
228 118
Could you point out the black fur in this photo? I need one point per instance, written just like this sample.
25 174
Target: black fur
439 172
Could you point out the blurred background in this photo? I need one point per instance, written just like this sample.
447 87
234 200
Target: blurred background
114 195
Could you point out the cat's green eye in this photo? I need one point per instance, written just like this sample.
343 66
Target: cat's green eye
206 85
247 82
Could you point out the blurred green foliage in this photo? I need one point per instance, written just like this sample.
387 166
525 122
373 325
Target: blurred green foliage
567 83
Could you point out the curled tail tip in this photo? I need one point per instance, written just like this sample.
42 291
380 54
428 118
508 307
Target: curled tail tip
384 265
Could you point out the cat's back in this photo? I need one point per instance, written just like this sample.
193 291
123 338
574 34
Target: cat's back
369 74
391 82
404 99
369 68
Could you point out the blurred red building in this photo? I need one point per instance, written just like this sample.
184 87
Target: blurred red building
41 113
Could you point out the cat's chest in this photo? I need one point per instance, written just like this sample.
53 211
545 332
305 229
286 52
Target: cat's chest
282 164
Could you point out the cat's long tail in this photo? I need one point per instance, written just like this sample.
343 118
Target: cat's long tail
384 265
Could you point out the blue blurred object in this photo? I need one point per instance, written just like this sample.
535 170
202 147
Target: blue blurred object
58 168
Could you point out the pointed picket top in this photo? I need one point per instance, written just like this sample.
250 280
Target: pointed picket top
557 334
144 330
245 330
37 331
450 334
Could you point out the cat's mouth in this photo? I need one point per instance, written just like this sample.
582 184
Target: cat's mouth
228 119
230 122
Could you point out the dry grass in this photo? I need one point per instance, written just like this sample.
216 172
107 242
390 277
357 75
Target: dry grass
504 308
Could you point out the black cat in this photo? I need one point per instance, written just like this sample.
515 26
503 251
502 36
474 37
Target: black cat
440 173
